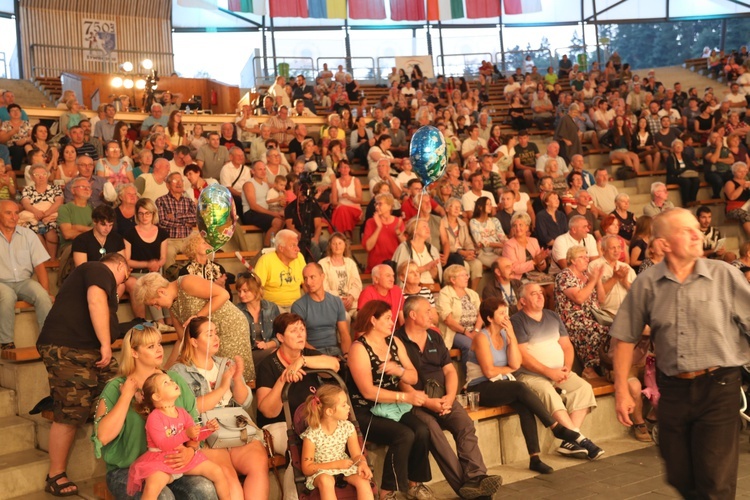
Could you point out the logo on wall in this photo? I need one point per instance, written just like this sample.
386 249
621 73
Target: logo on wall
100 38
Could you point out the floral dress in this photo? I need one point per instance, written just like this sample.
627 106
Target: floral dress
585 332
47 198
330 448
231 326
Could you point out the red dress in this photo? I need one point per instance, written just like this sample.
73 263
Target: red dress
386 244
163 435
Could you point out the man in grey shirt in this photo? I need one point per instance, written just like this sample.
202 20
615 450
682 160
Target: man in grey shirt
699 314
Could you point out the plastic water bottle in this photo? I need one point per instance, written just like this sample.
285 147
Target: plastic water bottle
354 113
187 110
273 240
41 228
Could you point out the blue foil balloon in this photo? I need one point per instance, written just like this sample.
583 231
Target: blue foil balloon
216 215
428 154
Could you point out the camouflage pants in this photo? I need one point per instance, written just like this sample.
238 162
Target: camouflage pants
75 381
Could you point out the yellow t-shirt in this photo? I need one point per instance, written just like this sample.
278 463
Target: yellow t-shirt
281 283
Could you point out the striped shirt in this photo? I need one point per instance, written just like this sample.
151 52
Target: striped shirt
700 323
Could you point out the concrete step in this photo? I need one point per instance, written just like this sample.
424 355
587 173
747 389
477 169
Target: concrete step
7 402
82 464
501 440
25 92
18 435
23 473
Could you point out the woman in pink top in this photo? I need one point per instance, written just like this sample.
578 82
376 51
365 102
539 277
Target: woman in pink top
522 249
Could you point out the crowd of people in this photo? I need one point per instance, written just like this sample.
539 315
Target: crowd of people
116 205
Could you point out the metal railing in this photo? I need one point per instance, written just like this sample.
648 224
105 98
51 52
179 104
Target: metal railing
362 68
571 51
53 60
466 65
285 66
4 67
383 68
542 59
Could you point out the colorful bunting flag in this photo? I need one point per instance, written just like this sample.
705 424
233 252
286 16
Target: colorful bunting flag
257 7
366 9
288 8
513 7
443 10
408 10
327 9
478 9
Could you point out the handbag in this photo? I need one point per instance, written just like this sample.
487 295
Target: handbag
434 389
236 428
391 411
602 317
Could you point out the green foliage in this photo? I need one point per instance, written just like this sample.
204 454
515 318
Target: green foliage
646 45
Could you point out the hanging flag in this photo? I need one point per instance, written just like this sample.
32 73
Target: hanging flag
478 9
199 4
408 10
443 10
257 7
327 9
522 6
366 9
288 8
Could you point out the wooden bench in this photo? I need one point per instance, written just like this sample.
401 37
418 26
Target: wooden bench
601 387
21 354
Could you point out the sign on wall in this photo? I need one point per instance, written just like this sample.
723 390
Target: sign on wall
408 62
100 37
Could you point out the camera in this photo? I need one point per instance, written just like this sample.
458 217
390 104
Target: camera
307 182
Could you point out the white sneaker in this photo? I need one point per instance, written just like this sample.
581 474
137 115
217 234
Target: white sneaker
420 492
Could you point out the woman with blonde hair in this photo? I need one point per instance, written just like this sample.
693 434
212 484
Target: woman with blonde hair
217 382
458 308
197 251
342 277
145 251
455 239
119 434
191 296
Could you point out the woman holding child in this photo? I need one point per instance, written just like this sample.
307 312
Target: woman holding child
120 431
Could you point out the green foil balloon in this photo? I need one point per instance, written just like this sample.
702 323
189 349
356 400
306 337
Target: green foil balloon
216 215
428 154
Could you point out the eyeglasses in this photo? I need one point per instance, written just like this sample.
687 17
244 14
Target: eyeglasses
82 187
143 214
144 325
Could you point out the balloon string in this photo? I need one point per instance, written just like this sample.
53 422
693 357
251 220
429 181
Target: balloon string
210 314
395 320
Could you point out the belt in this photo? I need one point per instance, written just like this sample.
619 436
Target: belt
695 374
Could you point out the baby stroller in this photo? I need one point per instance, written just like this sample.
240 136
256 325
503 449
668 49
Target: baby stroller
296 425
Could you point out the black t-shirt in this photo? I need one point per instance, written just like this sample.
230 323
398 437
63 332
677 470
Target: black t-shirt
430 362
69 324
88 244
303 217
267 373
142 251
166 154
527 155
123 224
296 147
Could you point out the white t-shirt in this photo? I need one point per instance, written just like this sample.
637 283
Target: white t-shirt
231 177
565 242
211 376
603 197
469 199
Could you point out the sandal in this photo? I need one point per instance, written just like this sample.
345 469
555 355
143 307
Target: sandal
9 345
56 489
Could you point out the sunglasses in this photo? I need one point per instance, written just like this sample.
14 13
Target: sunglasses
146 324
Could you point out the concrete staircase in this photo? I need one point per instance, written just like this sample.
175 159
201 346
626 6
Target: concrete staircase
27 93
22 466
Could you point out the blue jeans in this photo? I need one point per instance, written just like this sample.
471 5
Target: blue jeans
28 290
185 488
333 350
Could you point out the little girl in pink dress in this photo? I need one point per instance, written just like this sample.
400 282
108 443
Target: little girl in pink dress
167 427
